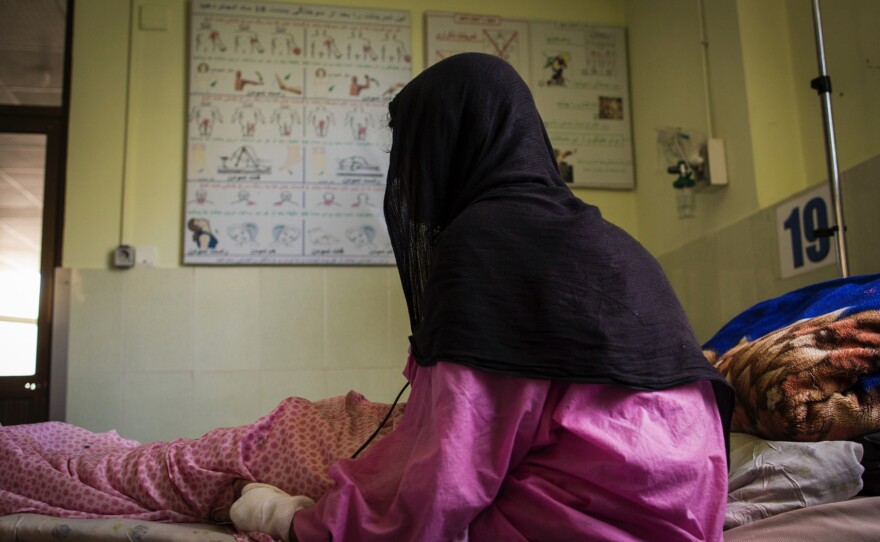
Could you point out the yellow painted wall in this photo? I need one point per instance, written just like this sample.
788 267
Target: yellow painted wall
775 143
129 146
770 90
779 50
97 124
128 108
668 91
852 48
125 180
761 58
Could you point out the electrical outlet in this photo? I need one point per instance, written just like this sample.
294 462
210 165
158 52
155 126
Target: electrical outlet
123 256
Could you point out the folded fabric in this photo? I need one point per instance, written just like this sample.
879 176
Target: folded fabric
806 366
771 477
800 382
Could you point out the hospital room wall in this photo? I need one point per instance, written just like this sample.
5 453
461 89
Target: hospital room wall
762 57
756 97
177 350
726 271
198 347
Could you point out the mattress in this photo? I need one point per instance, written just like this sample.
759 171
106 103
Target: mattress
39 528
855 520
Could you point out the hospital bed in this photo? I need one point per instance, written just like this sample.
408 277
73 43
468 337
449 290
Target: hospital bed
805 447
39 528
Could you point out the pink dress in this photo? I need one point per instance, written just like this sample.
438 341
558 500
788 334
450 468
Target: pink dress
487 457
66 471
475 455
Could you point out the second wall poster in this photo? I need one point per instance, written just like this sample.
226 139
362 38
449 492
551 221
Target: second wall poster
578 76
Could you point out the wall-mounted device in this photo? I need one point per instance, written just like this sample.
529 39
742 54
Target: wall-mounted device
699 164
127 256
124 257
712 173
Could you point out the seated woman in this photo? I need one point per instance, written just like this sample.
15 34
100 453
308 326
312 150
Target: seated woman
558 392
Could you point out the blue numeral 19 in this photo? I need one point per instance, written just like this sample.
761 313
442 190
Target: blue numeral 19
815 217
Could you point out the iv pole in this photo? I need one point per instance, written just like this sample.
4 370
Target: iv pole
822 85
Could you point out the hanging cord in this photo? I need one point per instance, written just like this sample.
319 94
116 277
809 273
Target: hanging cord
125 190
704 51
382 424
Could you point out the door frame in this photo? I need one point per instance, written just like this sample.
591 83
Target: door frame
53 122
49 122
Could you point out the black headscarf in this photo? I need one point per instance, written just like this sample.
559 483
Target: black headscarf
503 268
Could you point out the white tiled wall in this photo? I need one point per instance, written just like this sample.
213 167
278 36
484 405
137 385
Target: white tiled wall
159 354
719 275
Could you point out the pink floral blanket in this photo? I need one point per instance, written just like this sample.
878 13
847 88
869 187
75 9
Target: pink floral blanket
63 470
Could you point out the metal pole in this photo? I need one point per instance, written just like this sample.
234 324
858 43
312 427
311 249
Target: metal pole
822 84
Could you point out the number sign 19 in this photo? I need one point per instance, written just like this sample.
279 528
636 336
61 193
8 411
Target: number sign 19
801 248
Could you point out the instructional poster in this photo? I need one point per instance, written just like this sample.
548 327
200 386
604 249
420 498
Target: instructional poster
578 76
287 146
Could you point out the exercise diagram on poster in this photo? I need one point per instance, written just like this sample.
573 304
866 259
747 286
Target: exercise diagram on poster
287 147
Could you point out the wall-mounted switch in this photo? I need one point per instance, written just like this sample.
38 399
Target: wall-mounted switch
145 256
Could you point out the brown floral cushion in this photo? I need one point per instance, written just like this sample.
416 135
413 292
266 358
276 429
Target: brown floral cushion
806 381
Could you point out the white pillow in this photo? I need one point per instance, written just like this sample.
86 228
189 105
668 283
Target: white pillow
768 477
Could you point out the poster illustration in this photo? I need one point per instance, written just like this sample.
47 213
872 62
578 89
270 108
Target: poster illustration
578 76
287 145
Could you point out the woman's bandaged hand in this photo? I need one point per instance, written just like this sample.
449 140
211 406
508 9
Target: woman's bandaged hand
266 509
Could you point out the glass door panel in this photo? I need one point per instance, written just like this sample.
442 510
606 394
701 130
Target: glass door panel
22 169
35 56
22 185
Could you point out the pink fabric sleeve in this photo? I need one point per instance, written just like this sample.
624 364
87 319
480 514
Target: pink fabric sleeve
484 456
444 464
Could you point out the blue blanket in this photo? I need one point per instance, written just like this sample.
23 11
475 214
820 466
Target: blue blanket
854 294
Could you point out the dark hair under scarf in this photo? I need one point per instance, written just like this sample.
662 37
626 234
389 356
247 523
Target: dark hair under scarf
503 268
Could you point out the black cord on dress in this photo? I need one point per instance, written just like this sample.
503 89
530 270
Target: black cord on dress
382 424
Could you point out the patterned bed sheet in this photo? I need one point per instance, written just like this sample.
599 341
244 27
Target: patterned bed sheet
39 528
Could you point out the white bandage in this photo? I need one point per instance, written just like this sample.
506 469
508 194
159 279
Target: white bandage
266 509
